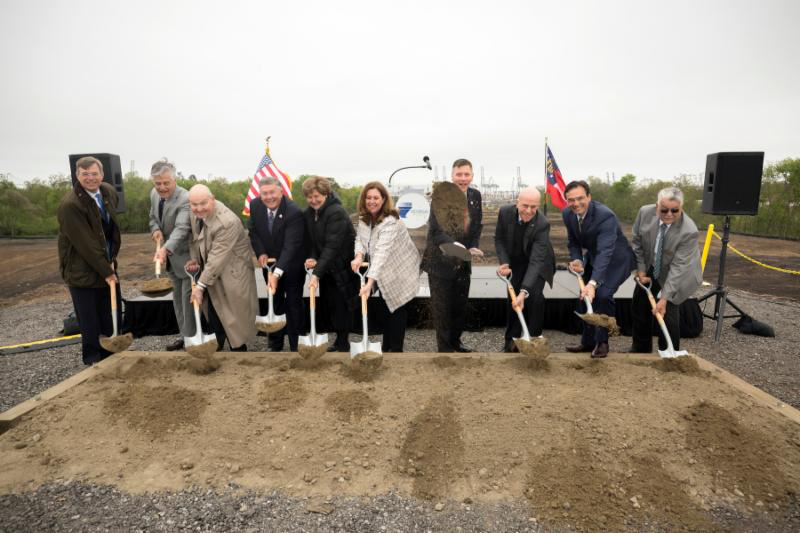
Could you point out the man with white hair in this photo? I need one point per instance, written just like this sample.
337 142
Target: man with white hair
522 242
221 251
169 225
667 253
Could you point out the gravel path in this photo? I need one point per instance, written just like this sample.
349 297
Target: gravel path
770 364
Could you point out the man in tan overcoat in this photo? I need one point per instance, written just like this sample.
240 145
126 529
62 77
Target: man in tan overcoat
221 250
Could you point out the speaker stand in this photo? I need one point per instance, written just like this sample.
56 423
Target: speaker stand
720 292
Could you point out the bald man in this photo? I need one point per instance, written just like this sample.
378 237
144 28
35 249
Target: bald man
226 288
522 242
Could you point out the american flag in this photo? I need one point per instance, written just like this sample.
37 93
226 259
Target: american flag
266 168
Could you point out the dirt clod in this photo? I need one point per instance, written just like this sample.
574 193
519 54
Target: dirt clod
283 393
351 404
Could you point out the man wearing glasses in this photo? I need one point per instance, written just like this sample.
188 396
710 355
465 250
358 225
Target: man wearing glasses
667 253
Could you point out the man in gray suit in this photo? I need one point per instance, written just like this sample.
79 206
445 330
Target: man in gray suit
169 223
667 252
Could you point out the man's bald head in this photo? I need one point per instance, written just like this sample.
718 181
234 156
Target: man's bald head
528 203
201 201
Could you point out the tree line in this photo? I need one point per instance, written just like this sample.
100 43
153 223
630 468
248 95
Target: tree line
30 210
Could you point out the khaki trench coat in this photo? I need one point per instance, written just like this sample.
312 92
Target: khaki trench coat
223 250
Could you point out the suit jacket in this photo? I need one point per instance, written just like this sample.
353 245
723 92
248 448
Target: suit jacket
82 240
175 227
223 250
285 242
434 262
535 245
681 273
394 260
607 250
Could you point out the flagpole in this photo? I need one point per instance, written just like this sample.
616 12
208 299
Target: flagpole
545 177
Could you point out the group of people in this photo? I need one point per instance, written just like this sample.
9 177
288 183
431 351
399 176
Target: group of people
210 257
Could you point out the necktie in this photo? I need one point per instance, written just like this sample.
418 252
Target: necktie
659 249
199 225
98 198
270 220
580 224
161 210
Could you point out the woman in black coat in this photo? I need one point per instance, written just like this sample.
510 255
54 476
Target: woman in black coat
332 239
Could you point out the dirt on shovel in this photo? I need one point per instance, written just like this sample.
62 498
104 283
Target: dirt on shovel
535 348
603 321
117 344
312 353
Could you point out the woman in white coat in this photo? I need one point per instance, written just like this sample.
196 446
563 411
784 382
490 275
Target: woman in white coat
383 240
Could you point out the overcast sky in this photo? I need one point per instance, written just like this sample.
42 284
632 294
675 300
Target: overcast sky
354 90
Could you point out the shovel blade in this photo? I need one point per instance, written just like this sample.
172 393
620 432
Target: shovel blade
116 344
269 324
668 354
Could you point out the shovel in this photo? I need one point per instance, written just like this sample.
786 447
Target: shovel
670 351
538 347
592 318
159 286
201 345
116 343
271 322
312 346
365 350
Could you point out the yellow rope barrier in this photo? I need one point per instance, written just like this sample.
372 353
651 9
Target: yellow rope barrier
34 343
759 263
706 246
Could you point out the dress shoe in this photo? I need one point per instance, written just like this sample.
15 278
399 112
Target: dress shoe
579 348
242 348
600 351
461 348
275 347
510 347
177 345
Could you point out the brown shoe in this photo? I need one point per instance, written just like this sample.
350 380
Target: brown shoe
600 351
579 348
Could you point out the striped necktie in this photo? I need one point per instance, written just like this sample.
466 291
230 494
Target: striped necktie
662 231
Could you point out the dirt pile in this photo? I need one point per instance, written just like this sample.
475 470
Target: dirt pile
433 450
351 404
460 363
738 458
157 409
282 393
684 365
363 372
525 363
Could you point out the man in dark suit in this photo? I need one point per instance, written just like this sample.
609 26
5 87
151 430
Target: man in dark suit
522 241
449 277
606 264
276 232
88 244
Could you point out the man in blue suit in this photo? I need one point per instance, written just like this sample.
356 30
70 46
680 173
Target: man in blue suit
606 263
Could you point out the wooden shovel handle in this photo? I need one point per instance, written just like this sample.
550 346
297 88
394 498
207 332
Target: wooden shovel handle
112 285
156 261
364 304
581 284
312 297
653 305
513 295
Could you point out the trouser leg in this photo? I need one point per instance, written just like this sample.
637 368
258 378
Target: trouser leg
216 324
534 308
339 312
184 312
440 289
641 321
394 329
93 311
458 307
672 319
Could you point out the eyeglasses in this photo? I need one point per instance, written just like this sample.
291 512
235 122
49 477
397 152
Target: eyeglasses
675 211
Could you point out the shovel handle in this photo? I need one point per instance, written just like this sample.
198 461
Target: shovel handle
364 304
112 285
513 295
653 305
156 261
312 299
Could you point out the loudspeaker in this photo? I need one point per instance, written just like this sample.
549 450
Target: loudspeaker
733 183
112 173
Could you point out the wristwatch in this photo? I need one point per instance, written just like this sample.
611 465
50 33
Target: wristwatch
593 283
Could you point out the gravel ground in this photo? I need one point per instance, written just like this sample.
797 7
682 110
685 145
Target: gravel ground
770 364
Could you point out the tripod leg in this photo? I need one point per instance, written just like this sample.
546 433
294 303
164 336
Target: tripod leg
721 315
732 304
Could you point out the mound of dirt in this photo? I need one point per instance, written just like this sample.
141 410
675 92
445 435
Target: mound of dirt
433 450
361 372
738 458
351 404
202 365
283 393
596 492
155 409
526 363
592 367
444 361
683 365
